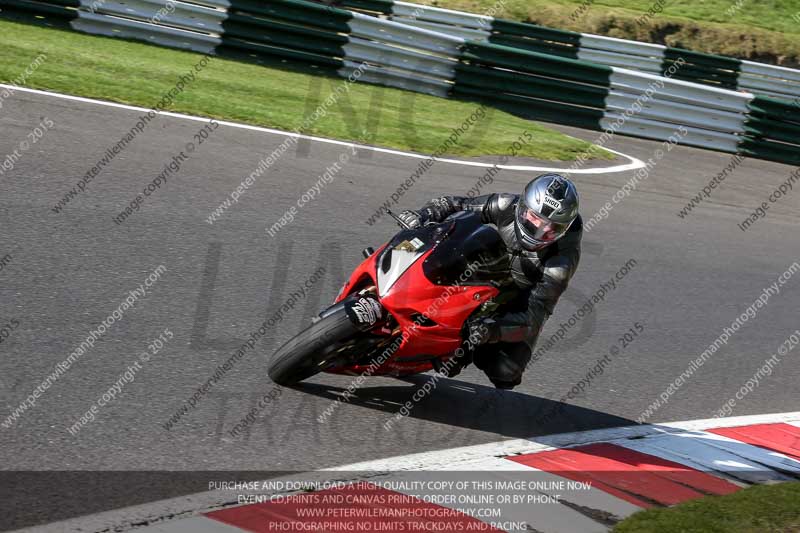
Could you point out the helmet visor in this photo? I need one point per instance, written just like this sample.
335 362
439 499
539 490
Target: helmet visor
539 228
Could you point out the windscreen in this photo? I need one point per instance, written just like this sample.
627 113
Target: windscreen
472 254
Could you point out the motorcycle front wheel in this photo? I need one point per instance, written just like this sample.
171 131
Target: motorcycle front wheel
313 349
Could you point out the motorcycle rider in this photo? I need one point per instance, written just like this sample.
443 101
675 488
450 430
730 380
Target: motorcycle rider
542 231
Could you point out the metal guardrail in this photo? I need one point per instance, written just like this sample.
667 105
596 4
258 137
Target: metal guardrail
174 14
732 120
710 69
539 81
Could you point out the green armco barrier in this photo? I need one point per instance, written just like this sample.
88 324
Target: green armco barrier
719 78
237 49
42 5
700 67
701 58
774 108
543 47
38 14
56 8
776 134
522 29
689 73
500 81
768 128
380 6
771 121
297 11
62 3
535 38
773 151
536 63
580 117
281 34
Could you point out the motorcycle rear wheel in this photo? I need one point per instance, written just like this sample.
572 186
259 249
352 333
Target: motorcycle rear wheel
313 349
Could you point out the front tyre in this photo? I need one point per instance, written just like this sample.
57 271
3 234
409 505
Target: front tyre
310 351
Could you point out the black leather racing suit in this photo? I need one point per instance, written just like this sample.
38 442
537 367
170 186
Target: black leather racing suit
541 277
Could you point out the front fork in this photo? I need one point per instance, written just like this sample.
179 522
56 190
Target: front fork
365 310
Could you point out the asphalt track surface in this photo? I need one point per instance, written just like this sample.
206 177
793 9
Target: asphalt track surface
70 270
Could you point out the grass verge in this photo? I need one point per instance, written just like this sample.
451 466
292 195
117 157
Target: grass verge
139 74
759 509
759 30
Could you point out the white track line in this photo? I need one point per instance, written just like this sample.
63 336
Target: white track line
429 460
470 458
633 165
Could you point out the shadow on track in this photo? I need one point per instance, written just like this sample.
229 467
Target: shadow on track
468 405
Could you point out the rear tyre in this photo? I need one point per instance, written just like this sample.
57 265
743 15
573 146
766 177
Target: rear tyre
309 352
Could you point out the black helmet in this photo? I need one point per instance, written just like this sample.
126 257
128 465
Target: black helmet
545 211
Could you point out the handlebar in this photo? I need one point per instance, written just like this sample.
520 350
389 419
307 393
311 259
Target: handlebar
397 219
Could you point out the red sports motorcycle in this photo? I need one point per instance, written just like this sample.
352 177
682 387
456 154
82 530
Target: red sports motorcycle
405 309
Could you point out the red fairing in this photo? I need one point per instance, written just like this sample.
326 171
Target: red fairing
411 296
363 276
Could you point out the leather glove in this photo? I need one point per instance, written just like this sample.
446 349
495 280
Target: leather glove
483 331
412 219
